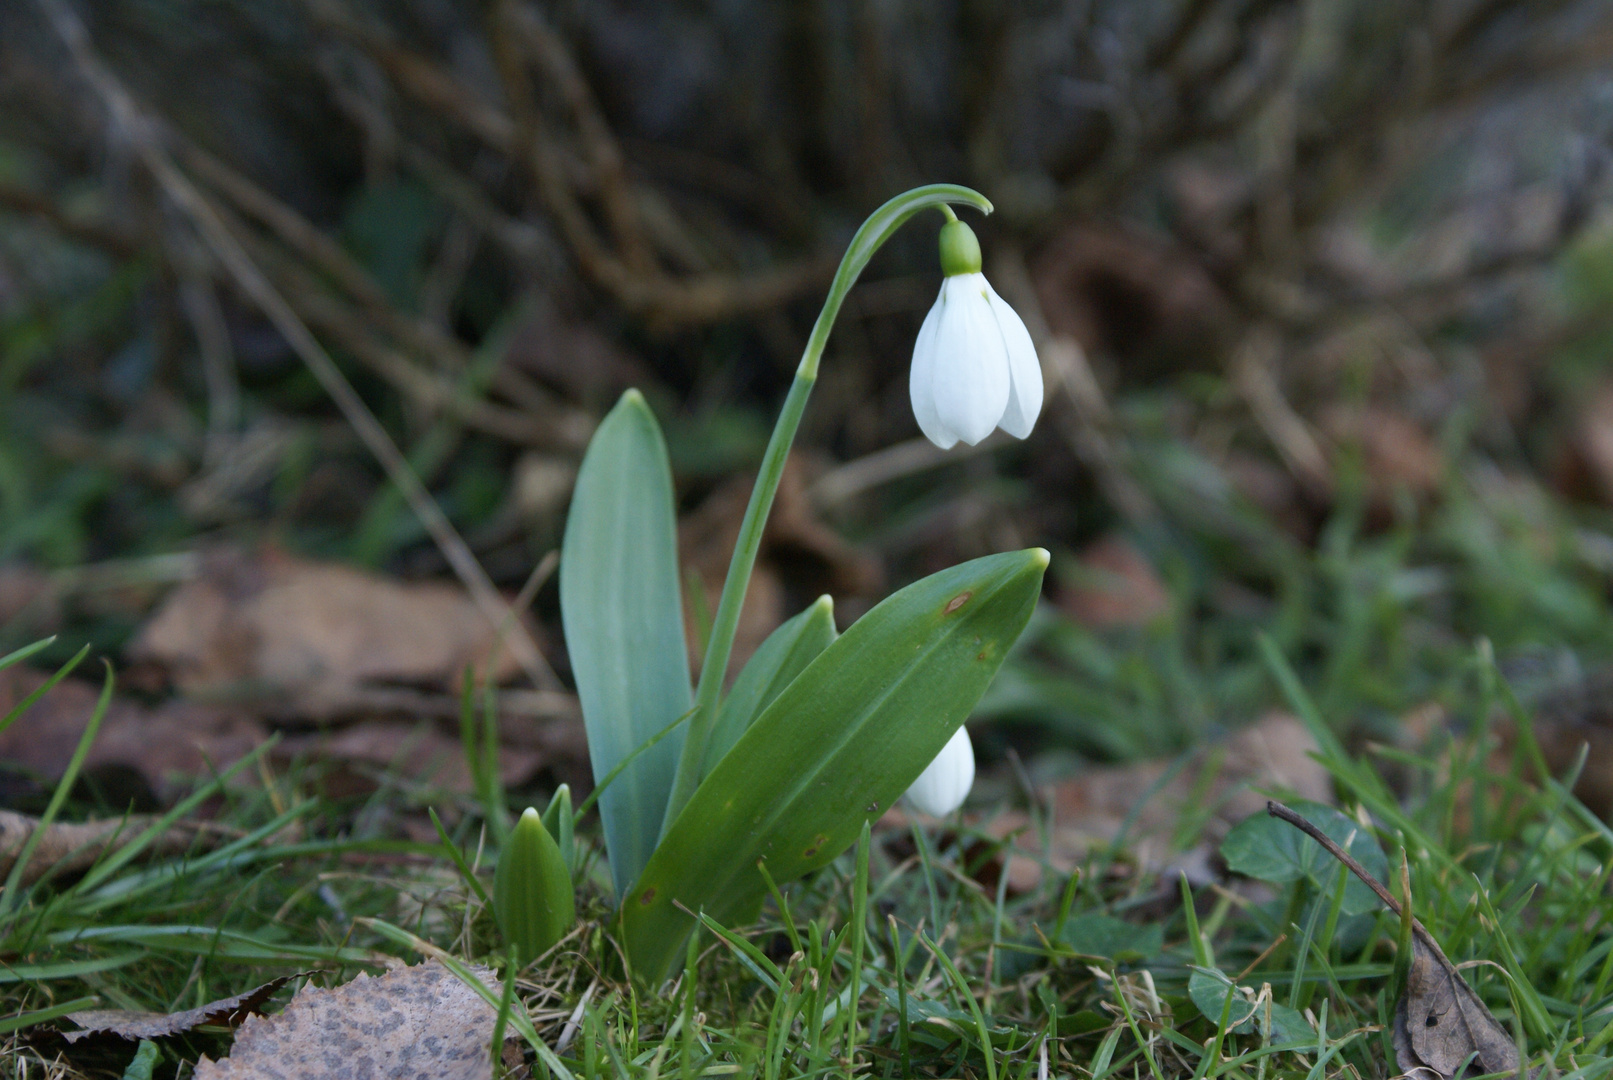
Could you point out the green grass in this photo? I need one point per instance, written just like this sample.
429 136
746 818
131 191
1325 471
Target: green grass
897 960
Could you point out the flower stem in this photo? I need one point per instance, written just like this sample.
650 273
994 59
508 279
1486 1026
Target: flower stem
880 226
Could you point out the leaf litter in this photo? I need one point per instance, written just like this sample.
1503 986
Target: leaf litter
1441 1030
409 1022
132 1024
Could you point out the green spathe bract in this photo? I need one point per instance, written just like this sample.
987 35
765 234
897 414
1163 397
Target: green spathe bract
620 602
834 749
533 898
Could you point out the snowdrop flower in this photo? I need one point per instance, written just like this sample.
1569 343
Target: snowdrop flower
974 366
945 782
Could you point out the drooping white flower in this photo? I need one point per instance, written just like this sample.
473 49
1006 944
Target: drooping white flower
974 365
945 782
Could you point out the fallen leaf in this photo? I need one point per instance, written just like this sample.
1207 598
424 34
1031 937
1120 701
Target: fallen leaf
1114 586
129 1024
418 751
1396 452
29 605
1441 1026
800 557
1593 439
1089 809
308 637
68 847
419 1021
1121 292
167 747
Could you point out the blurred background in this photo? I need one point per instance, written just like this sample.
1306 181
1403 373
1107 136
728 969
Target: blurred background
1323 293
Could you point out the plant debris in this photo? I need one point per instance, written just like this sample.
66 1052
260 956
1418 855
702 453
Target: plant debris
70 847
311 637
413 1021
129 1024
1442 1029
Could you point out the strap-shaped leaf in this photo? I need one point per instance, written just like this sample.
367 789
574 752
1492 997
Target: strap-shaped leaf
836 748
620 603
784 655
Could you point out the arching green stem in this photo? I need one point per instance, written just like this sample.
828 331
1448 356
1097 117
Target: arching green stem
879 227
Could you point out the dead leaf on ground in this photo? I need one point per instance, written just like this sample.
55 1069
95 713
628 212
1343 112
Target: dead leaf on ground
129 1024
1123 293
799 555
28 599
1396 451
1089 809
68 847
1593 441
167 747
307 637
419 751
418 1021
1114 585
1442 1030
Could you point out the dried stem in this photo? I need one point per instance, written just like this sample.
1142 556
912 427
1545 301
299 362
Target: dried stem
133 124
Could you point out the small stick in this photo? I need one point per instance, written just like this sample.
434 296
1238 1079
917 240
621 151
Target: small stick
1283 813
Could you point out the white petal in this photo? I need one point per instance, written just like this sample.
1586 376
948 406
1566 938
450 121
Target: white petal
945 782
1024 370
922 375
970 379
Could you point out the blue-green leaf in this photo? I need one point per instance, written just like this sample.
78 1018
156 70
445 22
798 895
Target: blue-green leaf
784 655
619 600
835 749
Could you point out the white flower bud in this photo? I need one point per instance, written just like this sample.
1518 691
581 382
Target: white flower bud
974 366
945 782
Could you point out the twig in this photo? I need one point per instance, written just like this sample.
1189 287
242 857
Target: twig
20 200
139 129
1283 813
696 299
599 144
553 423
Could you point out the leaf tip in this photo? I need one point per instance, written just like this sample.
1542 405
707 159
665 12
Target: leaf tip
1041 557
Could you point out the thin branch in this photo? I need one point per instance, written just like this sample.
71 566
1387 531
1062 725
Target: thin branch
133 124
695 299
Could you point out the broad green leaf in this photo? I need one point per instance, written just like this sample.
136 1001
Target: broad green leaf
1209 989
1105 935
784 655
835 749
532 891
620 603
1265 848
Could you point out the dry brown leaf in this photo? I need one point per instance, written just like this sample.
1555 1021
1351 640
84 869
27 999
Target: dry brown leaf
69 847
797 549
308 636
128 1024
419 1021
1442 1029
419 751
1090 808
1593 439
167 747
1123 293
1396 450
1115 586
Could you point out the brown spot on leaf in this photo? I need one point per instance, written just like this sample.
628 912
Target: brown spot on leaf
956 602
